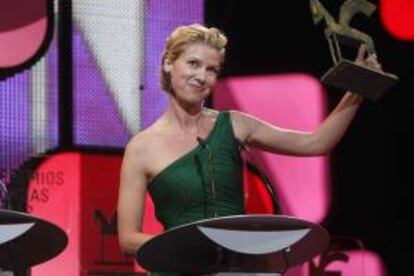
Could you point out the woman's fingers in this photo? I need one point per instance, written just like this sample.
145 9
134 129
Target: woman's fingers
370 61
361 54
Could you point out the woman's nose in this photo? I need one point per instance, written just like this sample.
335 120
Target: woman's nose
201 75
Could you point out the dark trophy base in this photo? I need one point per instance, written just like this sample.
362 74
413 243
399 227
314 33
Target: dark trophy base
26 240
362 80
235 244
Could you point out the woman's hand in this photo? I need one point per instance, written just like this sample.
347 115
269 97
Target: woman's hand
370 61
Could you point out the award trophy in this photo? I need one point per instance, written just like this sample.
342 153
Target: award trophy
346 74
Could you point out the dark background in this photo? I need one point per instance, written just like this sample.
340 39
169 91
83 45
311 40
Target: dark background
370 167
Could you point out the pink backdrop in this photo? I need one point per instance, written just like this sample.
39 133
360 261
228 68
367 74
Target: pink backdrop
290 101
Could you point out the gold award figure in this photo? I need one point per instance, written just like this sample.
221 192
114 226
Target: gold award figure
345 74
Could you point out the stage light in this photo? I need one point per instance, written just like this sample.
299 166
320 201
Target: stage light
398 18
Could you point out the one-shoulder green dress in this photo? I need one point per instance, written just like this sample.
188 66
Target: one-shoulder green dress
182 192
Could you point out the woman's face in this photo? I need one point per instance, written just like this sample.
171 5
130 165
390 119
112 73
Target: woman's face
194 72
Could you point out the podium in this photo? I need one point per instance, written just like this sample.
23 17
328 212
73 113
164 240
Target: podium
26 240
243 243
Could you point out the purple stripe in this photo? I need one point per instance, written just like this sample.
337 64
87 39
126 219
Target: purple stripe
96 117
15 142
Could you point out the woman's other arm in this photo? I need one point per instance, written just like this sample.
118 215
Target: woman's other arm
131 199
257 133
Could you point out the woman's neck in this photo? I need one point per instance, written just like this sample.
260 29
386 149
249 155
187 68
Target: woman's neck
184 116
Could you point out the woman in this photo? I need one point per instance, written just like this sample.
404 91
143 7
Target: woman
189 159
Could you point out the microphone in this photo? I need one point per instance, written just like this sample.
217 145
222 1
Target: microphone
203 144
5 193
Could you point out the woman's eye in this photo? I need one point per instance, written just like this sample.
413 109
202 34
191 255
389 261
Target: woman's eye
193 63
214 71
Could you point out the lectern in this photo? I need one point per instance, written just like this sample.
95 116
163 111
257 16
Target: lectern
238 244
26 240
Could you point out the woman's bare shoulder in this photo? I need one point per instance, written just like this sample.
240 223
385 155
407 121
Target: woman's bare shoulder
143 141
211 112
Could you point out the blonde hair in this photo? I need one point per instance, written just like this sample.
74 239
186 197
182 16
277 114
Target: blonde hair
181 38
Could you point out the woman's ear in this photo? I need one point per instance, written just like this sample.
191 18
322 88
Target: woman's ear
167 65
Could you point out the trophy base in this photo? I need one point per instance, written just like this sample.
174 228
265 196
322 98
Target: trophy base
348 75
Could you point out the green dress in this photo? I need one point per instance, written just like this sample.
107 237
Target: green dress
182 192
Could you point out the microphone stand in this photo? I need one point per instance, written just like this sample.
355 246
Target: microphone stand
213 183
213 192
